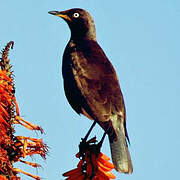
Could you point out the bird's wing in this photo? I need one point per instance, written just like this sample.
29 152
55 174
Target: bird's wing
97 81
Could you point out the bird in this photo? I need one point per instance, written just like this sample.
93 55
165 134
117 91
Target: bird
91 84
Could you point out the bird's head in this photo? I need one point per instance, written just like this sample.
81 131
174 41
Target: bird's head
80 23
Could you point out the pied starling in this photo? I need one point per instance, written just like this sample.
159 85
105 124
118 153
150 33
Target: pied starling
91 84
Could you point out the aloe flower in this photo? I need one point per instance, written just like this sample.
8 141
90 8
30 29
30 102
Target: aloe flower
93 164
14 148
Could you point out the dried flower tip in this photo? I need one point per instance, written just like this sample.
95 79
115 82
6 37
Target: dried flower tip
28 125
6 50
17 170
35 165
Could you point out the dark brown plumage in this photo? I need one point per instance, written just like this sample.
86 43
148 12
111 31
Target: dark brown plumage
91 84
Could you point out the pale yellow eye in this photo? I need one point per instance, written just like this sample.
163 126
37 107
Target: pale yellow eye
76 15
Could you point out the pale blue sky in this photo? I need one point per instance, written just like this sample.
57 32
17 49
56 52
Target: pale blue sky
142 40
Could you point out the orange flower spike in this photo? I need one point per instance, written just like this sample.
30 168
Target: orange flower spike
75 173
35 165
111 175
76 176
2 120
4 111
103 162
2 88
17 146
104 168
71 172
87 156
98 178
80 163
39 141
19 120
106 173
25 125
93 165
3 178
8 100
4 83
15 178
106 163
77 155
25 147
10 88
4 76
32 152
17 107
29 144
89 169
102 176
103 156
17 170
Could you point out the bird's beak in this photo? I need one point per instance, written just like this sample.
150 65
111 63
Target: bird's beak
60 14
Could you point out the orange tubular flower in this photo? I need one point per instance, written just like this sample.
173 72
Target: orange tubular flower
93 165
3 178
14 148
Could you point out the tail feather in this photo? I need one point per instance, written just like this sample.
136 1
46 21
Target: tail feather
119 149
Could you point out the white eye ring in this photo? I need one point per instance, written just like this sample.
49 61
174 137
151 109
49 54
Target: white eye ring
76 15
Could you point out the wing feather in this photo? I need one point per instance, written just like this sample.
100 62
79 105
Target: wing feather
97 81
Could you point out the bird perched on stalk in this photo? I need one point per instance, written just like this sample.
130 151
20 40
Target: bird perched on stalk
91 84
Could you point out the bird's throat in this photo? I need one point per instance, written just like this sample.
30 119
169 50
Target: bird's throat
84 33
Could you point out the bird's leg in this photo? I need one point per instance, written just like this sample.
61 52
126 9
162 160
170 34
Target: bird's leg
92 126
102 140
84 145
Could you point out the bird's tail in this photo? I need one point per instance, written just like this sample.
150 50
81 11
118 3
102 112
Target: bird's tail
119 148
